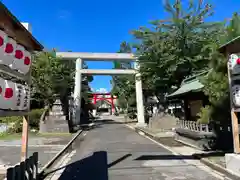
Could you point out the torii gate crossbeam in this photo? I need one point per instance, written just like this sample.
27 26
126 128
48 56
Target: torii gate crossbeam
79 57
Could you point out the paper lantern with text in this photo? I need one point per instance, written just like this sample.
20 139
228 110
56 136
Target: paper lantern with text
9 51
9 95
234 64
236 95
25 98
26 62
3 38
18 93
18 59
2 99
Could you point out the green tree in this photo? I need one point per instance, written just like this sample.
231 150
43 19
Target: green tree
45 67
174 48
124 85
216 83
53 76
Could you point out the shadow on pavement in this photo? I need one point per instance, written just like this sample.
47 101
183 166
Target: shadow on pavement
164 157
179 157
94 167
119 160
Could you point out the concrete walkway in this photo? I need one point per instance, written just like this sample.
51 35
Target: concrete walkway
111 151
47 147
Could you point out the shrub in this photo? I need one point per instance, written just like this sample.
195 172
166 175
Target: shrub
15 122
204 115
34 118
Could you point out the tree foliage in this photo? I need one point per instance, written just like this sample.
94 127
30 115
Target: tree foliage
216 83
177 47
52 76
124 85
183 44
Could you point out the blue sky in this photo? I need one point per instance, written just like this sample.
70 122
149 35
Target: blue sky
94 25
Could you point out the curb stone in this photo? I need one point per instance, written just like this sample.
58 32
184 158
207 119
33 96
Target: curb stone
60 153
219 168
205 161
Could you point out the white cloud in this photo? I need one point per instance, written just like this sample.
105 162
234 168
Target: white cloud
102 90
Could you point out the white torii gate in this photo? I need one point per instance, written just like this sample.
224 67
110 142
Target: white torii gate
80 57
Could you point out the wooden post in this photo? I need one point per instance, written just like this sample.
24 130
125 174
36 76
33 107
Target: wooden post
25 126
235 132
24 149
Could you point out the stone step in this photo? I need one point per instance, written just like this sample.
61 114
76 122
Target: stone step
56 118
56 113
47 128
56 124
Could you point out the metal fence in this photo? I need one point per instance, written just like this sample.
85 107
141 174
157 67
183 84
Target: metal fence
26 170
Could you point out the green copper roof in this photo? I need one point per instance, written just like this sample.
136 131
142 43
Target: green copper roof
191 84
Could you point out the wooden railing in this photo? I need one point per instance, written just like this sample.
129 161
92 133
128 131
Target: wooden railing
193 126
26 170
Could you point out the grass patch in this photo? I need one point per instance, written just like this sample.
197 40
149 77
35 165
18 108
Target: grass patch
6 136
17 136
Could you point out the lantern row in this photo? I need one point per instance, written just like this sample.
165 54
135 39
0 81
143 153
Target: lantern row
14 55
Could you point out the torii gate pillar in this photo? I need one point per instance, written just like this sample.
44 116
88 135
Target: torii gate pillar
105 57
139 98
77 91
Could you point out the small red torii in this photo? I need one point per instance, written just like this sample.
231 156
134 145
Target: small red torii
102 96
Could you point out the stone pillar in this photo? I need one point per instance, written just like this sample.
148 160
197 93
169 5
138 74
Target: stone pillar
112 105
94 112
139 98
77 92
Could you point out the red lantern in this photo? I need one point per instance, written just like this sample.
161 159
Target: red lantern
9 48
8 93
18 54
1 41
27 60
238 61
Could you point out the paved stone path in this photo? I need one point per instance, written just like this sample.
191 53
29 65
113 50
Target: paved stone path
111 151
47 147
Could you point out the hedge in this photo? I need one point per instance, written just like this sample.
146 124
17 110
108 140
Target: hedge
15 122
